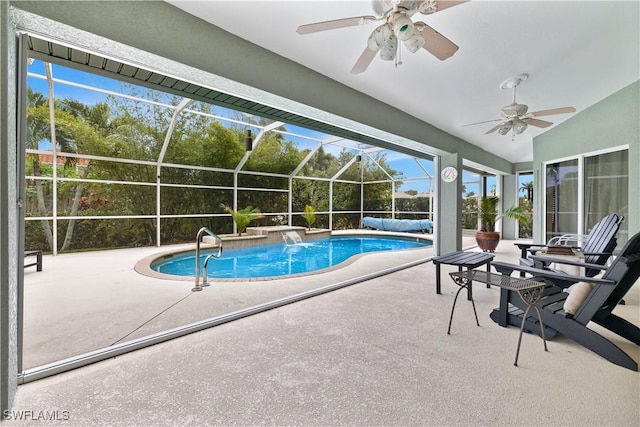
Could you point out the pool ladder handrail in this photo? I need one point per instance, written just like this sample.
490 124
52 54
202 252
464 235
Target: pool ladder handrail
205 282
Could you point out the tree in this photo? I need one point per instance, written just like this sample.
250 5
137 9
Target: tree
70 129
89 123
528 188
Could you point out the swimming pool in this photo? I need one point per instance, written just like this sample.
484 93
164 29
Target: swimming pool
281 259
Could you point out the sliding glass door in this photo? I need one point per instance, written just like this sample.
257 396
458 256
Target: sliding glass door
581 191
606 189
561 198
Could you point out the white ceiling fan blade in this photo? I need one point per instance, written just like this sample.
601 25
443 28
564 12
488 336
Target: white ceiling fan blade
437 44
363 62
562 110
486 121
337 23
493 129
446 4
538 123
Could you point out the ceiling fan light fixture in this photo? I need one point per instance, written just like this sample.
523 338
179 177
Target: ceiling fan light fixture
379 37
519 126
415 42
389 49
505 128
402 26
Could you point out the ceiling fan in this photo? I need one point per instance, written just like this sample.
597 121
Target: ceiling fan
397 26
515 117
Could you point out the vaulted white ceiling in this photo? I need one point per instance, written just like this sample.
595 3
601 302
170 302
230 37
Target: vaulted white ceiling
576 53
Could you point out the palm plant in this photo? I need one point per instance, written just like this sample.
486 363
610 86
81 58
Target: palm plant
243 217
309 216
488 213
528 188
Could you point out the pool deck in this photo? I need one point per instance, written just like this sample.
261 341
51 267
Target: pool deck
373 353
100 292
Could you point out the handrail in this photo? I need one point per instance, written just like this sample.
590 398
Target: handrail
203 230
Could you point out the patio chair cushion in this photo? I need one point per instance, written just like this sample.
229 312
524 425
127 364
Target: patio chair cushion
578 293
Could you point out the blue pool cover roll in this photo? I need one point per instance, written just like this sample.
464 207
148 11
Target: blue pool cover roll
387 224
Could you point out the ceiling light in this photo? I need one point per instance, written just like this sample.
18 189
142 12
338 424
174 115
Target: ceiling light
402 27
415 42
388 50
519 126
505 128
379 37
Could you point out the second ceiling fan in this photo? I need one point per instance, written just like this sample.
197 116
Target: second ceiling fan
397 26
516 118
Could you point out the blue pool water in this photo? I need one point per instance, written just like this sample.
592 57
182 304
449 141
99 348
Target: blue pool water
280 259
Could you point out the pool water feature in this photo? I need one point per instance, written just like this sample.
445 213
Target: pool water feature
282 259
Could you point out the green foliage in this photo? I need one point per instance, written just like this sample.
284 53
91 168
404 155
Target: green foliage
321 164
309 216
122 128
488 213
525 230
527 187
275 155
243 217
470 213
414 204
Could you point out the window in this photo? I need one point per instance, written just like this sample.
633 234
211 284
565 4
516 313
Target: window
525 201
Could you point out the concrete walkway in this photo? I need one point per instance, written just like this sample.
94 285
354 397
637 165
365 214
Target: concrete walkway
374 353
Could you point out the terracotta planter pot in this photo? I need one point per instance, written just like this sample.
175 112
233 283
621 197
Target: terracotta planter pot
487 240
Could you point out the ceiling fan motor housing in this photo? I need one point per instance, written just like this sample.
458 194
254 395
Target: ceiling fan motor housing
382 7
515 109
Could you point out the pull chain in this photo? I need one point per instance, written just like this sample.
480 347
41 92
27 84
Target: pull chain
398 58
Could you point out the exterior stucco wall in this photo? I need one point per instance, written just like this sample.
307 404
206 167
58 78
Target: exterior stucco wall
612 122
9 261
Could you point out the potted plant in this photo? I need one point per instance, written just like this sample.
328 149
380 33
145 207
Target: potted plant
487 238
243 217
309 216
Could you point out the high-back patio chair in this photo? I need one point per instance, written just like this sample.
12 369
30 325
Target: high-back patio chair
568 315
597 248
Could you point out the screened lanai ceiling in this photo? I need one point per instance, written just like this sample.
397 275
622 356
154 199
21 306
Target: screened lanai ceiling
55 52
576 54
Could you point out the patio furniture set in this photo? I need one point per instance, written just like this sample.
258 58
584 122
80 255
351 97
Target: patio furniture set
548 302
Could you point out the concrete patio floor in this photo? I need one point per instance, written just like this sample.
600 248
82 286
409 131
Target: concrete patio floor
88 300
373 353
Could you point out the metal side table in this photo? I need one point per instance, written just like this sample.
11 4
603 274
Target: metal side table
529 290
468 260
